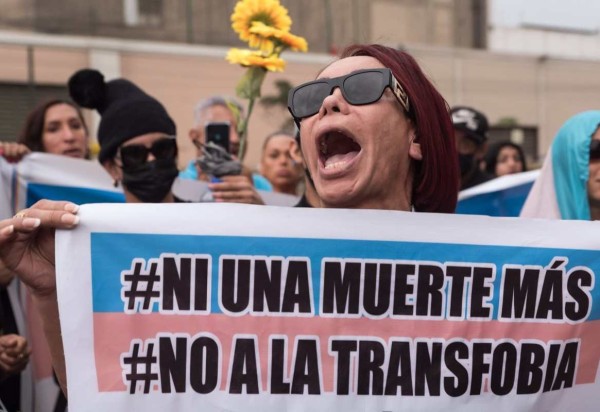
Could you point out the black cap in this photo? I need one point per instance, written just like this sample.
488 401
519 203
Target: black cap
472 122
126 110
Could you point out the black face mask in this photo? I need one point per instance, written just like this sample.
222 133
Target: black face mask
151 181
466 163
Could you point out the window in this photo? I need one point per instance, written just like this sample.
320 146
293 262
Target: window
16 100
143 12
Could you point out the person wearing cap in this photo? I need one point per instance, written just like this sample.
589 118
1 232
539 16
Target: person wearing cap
568 186
136 134
470 132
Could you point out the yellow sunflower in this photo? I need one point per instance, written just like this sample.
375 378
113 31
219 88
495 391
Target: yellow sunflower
286 38
94 148
269 12
256 59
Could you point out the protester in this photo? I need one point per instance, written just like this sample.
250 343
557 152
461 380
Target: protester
137 144
385 144
240 188
136 134
56 127
504 158
214 109
278 165
568 186
470 131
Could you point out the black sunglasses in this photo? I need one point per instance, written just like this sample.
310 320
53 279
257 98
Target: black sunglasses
595 149
358 88
137 154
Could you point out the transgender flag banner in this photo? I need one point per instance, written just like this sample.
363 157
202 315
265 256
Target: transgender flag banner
45 176
220 307
502 196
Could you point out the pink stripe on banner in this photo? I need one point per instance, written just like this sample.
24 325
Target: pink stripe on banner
114 333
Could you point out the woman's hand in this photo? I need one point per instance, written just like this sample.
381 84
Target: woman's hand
14 353
13 151
27 248
27 242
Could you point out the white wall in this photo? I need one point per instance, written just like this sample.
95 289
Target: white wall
557 28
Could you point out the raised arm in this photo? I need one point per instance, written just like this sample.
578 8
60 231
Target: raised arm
27 249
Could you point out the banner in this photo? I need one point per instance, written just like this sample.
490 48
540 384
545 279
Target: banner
7 173
220 307
45 176
502 196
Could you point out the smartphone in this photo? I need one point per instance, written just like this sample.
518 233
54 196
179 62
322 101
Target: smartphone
218 133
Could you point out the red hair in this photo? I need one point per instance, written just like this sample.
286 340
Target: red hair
436 178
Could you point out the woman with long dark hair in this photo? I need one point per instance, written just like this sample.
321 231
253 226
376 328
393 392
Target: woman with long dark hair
55 126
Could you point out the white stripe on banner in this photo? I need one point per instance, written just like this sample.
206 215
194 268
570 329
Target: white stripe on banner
46 176
7 171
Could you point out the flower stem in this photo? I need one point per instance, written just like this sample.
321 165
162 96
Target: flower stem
249 88
243 132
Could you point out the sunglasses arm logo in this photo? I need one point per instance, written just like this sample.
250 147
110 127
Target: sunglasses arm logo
401 95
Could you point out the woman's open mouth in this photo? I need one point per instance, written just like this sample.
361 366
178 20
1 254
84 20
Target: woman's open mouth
76 153
337 149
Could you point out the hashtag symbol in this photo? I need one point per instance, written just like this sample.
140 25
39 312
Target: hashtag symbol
138 287
139 367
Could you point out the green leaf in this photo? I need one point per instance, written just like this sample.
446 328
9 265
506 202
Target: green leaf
251 82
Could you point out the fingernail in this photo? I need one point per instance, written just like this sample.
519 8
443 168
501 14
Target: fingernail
31 222
8 230
70 219
72 207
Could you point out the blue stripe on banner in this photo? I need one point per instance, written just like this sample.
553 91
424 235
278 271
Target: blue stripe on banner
508 202
114 253
79 195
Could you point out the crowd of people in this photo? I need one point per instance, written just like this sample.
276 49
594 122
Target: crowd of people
372 133
128 113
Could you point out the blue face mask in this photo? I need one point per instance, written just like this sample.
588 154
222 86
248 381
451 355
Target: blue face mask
150 182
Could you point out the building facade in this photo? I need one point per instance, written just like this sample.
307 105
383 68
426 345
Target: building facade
326 24
532 93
